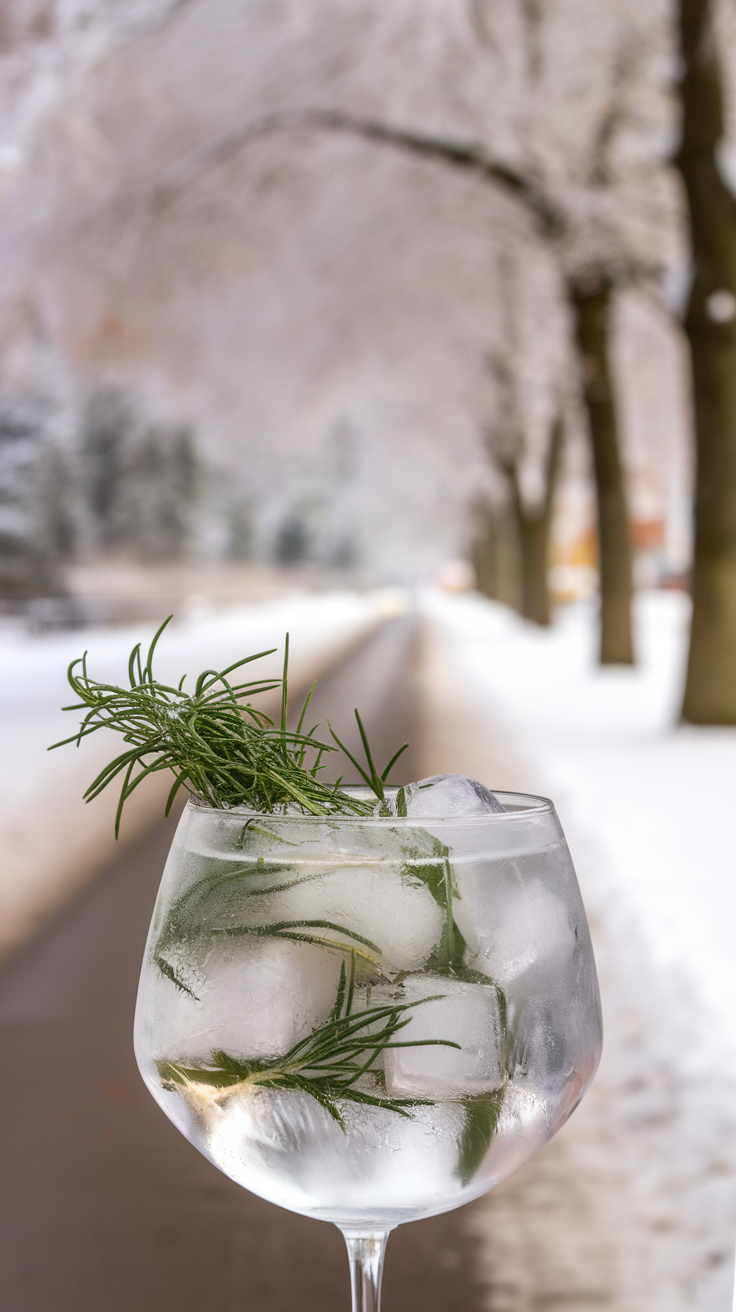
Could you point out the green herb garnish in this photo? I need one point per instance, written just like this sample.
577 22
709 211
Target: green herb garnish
481 1120
228 753
328 1064
215 743
373 779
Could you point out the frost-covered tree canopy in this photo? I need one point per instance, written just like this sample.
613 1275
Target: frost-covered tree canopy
345 325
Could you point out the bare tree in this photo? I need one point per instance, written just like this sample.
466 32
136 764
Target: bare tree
534 522
710 324
311 149
593 319
510 549
495 552
592 273
591 291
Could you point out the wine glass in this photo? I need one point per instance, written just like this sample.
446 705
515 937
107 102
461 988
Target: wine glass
368 1019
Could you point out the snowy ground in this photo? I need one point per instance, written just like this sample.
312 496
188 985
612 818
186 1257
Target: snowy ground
633 1205
51 842
657 795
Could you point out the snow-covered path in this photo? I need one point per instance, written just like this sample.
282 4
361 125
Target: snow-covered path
606 745
633 1205
51 842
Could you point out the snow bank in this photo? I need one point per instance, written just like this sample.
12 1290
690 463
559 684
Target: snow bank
51 842
658 796
634 1203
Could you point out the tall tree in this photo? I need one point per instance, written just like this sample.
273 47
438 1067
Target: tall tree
511 545
535 522
605 259
524 124
710 324
592 302
495 554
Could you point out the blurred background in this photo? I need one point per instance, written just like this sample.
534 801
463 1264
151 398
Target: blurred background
410 328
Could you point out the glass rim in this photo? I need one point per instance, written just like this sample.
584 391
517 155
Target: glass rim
535 805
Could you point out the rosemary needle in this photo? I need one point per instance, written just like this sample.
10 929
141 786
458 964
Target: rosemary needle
217 745
328 1064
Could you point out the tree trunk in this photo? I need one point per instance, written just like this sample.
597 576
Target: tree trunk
496 557
534 529
710 324
484 554
593 308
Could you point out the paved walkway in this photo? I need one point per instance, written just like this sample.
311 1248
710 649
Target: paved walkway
105 1207
51 843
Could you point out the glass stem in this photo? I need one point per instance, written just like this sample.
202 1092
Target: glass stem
365 1252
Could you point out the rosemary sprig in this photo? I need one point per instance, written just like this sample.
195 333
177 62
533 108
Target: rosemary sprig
215 743
328 1064
320 933
373 779
482 1112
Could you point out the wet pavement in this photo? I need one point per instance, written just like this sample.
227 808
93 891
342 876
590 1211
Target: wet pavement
104 1206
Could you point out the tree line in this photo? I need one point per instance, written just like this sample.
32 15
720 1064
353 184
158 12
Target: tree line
591 283
600 223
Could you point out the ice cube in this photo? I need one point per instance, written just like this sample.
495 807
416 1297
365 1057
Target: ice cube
528 926
255 997
466 1014
286 1147
446 795
391 909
